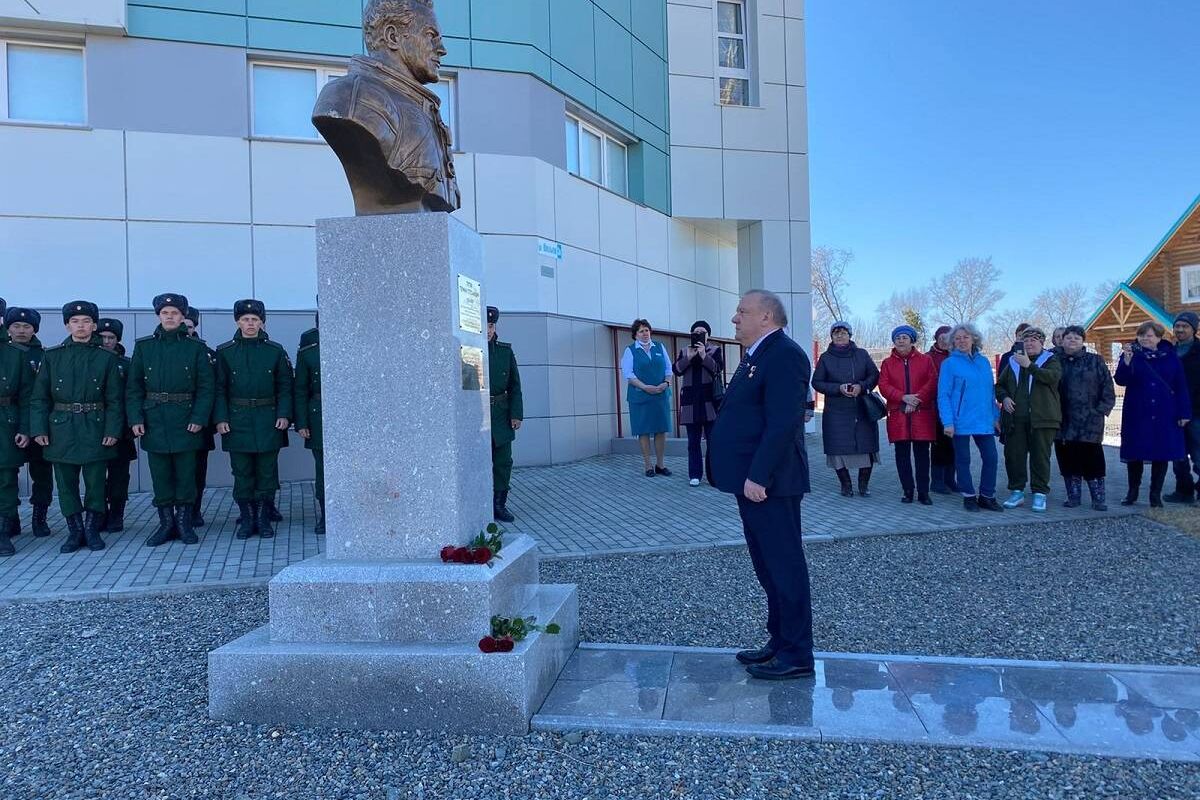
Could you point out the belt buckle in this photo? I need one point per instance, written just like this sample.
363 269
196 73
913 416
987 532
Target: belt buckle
76 408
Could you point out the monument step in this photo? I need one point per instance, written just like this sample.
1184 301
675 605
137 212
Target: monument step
334 600
444 687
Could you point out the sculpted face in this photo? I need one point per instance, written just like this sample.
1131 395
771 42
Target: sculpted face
415 48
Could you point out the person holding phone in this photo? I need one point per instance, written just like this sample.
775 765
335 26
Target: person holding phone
647 369
844 375
1156 410
701 366
1028 392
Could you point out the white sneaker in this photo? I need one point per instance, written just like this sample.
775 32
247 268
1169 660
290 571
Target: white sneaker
1015 499
694 482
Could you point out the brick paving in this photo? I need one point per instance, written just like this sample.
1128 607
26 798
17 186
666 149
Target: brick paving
599 505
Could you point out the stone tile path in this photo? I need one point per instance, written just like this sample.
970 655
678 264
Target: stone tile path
599 505
1112 710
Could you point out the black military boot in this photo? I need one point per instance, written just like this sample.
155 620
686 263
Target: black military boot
1158 476
75 535
91 531
183 521
39 526
166 525
102 520
1135 484
198 514
116 516
245 523
844 479
272 512
864 482
6 545
320 529
499 507
264 528
14 526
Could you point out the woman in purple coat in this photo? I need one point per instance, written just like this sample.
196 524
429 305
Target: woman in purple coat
1156 409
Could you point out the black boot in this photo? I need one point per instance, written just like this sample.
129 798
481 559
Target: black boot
6 545
40 527
245 523
183 521
116 516
102 520
499 512
1099 494
264 527
75 535
166 525
320 529
198 514
950 476
1135 484
1158 476
272 512
864 481
844 479
14 526
91 530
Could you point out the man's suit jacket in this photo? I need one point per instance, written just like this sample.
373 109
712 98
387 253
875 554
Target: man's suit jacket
759 433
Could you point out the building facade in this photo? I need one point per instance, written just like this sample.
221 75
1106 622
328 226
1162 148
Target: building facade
620 158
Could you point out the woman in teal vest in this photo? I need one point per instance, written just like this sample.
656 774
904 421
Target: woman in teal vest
647 367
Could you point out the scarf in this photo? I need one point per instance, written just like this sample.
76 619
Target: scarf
1016 368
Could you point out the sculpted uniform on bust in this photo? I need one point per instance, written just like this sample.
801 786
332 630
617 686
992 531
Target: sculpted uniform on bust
383 122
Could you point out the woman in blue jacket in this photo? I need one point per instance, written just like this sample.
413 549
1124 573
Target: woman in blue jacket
967 408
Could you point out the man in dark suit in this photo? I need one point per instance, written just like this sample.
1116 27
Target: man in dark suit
757 453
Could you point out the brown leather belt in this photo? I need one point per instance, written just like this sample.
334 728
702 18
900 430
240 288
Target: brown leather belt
167 397
79 408
252 402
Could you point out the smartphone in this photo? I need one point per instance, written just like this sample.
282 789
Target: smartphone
1019 347
698 339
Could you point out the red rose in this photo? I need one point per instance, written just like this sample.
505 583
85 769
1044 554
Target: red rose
505 645
482 555
448 553
489 645
462 555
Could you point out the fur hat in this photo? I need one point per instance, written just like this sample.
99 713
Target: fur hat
18 314
243 307
174 300
111 326
80 308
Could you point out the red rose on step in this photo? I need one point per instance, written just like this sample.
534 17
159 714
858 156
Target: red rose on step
448 553
482 555
505 644
489 645
462 555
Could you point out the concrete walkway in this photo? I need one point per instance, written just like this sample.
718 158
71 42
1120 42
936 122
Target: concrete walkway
1111 710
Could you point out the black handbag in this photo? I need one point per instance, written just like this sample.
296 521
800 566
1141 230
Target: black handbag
874 406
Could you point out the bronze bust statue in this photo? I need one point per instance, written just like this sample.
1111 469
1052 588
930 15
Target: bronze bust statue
382 121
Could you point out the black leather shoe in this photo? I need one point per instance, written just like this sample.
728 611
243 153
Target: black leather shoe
649 473
924 499
759 656
989 504
662 471
776 670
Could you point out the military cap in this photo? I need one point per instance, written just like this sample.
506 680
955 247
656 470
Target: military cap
80 308
109 325
493 314
3 307
193 315
176 301
309 337
243 307
18 314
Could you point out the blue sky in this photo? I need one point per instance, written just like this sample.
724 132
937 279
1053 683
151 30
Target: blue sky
1060 137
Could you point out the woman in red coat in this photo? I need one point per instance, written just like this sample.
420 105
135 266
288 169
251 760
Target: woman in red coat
908 381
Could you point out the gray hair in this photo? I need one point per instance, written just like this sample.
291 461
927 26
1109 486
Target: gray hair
380 13
772 304
969 327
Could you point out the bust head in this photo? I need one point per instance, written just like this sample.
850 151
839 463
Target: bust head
404 35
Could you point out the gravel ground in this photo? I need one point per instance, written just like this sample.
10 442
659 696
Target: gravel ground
107 699
1121 590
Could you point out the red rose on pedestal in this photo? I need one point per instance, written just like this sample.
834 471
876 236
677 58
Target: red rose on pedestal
505 644
489 645
448 553
462 555
482 555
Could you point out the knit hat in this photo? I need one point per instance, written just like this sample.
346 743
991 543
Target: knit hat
701 324
80 308
1033 332
941 329
909 329
843 325
1191 318
27 315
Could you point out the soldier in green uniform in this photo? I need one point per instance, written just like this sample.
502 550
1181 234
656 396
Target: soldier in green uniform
77 414
192 320
116 484
252 412
308 411
169 400
16 388
22 325
508 410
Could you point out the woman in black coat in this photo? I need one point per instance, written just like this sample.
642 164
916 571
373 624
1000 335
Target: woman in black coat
845 375
1087 393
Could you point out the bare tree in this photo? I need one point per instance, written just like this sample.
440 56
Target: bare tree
967 292
829 285
1102 292
871 334
907 306
1063 305
1000 325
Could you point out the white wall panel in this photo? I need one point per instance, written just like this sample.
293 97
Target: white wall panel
708 259
798 187
696 186
285 266
584 381
695 113
653 250
682 261
756 185
758 127
801 256
511 273
797 121
211 264
728 258
653 301
794 30
708 306
618 227
576 212
514 194
794 8
62 173
179 178
579 284
46 262
772 64
618 292
682 296
532 446
297 184
691 43
464 169
776 255
728 302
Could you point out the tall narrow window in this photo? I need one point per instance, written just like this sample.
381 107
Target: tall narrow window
733 72
597 157
42 83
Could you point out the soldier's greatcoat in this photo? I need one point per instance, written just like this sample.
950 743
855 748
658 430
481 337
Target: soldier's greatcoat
77 402
171 385
254 389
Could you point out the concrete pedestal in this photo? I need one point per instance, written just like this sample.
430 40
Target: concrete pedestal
377 632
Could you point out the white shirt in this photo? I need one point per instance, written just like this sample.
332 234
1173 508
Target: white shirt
627 359
750 350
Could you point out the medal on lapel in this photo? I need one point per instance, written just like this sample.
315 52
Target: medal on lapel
752 368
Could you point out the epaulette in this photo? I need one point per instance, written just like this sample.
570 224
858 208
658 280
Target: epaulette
499 343
53 347
309 346
20 347
274 344
230 343
144 339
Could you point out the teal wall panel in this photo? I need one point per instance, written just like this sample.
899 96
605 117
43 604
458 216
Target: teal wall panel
650 25
614 60
458 52
615 112
320 11
520 21
650 177
455 17
510 58
651 133
573 36
650 88
187 26
304 37
215 6
572 85
618 10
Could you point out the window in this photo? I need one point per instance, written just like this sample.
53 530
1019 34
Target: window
1189 278
283 96
597 157
42 83
733 48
